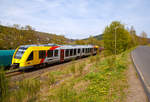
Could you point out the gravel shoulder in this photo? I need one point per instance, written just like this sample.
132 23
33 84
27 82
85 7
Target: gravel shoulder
135 91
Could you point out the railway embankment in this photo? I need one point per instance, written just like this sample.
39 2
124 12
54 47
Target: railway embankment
97 78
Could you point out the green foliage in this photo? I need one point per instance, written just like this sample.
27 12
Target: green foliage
90 41
3 86
135 38
118 31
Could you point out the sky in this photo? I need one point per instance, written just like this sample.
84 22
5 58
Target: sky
76 19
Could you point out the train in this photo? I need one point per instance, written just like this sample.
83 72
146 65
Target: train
29 56
6 58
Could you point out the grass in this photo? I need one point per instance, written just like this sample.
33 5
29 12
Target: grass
72 68
25 91
97 79
52 79
105 81
81 67
3 86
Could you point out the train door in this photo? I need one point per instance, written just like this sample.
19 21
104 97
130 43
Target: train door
36 57
30 59
62 55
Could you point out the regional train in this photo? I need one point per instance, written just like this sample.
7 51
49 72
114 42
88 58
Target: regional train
29 56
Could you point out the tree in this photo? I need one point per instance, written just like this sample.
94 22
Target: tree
116 38
135 38
93 41
144 39
17 26
80 42
28 27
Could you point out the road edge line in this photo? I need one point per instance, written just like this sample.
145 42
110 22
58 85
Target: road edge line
141 77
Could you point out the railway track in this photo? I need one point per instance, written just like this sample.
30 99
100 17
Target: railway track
18 75
11 73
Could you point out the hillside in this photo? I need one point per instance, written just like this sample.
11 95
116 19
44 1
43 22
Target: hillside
97 37
12 37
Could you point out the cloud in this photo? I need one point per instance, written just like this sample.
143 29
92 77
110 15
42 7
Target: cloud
75 18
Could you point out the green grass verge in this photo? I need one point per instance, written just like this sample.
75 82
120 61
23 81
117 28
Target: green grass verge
97 79
105 81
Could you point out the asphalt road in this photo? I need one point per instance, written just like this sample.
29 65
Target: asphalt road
141 60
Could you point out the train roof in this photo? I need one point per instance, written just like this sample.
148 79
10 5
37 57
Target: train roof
26 46
60 46
75 46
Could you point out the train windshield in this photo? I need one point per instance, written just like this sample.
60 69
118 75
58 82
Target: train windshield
20 52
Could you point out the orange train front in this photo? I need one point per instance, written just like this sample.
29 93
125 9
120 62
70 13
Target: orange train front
28 56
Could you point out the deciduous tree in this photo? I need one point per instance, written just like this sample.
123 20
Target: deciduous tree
144 39
116 38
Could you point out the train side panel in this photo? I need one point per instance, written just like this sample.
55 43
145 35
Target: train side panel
36 55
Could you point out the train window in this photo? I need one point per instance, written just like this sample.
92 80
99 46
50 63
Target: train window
86 50
56 53
30 56
20 52
42 54
67 53
71 52
75 51
90 49
50 53
82 50
78 50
